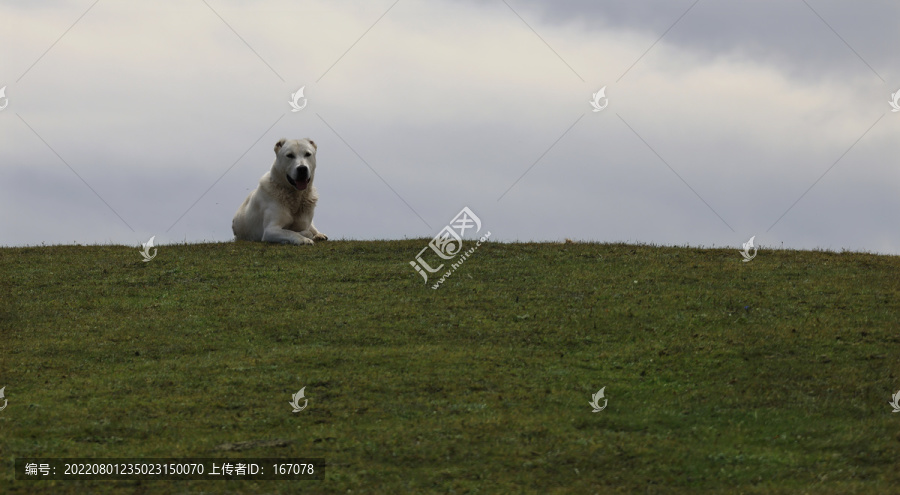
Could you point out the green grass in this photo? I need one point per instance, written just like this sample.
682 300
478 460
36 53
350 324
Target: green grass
771 376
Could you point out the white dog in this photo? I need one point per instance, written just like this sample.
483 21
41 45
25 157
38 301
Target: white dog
281 208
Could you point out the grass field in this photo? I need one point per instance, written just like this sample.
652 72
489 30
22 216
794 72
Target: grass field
772 376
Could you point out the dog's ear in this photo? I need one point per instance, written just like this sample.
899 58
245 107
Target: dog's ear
312 143
279 144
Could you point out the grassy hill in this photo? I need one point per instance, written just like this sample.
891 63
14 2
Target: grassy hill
772 376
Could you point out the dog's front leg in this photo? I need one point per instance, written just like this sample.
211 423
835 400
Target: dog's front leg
314 234
283 236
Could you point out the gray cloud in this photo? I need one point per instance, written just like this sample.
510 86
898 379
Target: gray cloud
789 35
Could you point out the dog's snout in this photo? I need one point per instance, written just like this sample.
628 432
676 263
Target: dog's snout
303 173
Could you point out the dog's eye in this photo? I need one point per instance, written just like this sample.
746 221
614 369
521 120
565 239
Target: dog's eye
291 155
308 154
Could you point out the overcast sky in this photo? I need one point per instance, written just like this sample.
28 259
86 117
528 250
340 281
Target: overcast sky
724 119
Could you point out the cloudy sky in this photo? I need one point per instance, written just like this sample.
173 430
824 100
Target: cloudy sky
724 119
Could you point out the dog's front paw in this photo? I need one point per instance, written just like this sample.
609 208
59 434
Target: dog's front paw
304 241
320 237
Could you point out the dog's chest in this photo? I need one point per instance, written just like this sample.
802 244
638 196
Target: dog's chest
300 208
301 205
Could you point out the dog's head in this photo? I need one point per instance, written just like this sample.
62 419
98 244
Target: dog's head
295 162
